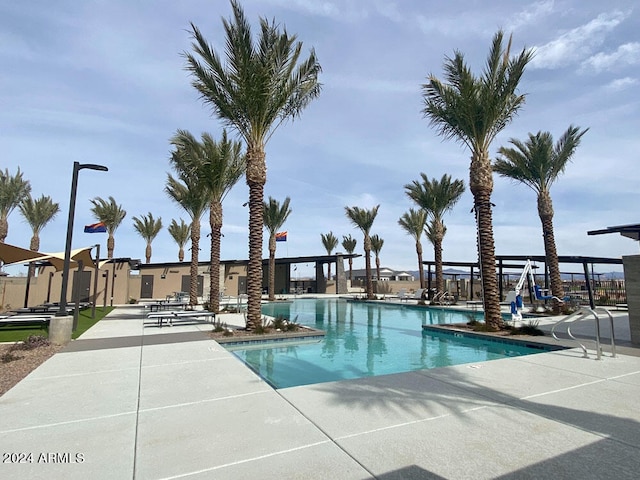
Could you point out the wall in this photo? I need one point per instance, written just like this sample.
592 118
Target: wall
632 281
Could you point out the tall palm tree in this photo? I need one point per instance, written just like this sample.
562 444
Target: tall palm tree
436 197
329 242
257 88
148 228
38 213
274 217
189 193
13 189
473 110
349 244
180 232
111 214
413 222
538 163
376 246
363 219
219 165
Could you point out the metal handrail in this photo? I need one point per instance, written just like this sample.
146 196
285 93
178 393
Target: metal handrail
581 314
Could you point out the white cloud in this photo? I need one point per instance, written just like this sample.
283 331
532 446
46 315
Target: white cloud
622 83
627 54
576 44
530 14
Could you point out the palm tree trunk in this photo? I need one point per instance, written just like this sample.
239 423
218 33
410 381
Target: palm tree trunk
215 221
367 266
378 267
437 256
33 245
420 266
481 186
195 248
329 271
181 255
147 253
545 210
111 244
350 269
4 228
256 176
272 267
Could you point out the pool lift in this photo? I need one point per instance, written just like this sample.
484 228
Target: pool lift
514 298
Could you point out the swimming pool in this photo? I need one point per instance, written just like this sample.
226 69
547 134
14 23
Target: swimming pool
365 339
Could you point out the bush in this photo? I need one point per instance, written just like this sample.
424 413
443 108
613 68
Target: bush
531 328
35 341
219 326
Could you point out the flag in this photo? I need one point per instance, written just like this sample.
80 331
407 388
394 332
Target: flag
95 228
281 237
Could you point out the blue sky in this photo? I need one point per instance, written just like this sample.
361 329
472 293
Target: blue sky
104 82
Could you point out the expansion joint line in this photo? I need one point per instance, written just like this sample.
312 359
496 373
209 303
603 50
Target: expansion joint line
326 434
135 437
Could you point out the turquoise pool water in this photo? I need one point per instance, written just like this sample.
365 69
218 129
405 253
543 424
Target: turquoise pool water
365 339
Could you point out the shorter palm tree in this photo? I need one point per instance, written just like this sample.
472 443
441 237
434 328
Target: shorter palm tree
538 163
376 246
349 244
38 213
111 214
13 189
180 232
274 216
148 228
413 222
329 241
436 197
363 219
190 194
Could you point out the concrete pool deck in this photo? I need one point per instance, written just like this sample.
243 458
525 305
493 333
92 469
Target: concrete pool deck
131 400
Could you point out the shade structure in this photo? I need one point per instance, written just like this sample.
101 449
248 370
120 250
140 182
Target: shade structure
10 254
57 259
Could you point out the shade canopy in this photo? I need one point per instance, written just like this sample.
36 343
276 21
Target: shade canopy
11 254
55 259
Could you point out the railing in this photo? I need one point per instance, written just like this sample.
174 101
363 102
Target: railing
583 314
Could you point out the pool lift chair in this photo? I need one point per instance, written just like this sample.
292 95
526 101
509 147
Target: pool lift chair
514 297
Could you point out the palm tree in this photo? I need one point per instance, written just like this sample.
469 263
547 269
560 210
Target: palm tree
473 110
363 219
180 233
274 217
219 166
537 163
435 233
349 244
436 197
189 193
13 189
376 246
111 214
38 213
413 222
329 241
257 88
148 228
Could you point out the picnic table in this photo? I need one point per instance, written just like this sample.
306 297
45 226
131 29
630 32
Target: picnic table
180 315
164 305
18 319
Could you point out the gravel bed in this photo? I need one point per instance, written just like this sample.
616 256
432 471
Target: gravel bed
21 363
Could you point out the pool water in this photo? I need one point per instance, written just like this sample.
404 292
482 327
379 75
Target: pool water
365 339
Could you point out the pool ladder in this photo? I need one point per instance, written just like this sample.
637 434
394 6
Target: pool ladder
585 313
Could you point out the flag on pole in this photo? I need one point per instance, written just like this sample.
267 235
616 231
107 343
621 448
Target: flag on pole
281 237
95 228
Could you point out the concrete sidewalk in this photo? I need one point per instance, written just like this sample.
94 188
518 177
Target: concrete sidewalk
133 401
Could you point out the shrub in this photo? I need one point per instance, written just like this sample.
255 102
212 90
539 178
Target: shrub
35 341
219 326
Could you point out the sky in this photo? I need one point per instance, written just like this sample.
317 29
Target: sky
104 82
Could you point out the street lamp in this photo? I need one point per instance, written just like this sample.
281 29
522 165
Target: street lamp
62 311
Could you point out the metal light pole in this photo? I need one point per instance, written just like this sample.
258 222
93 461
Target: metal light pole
95 281
62 311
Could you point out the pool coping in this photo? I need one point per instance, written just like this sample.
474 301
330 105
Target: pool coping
528 342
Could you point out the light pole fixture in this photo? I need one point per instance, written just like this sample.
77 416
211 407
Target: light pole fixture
62 310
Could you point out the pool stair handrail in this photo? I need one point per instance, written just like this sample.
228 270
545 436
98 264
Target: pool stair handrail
582 314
